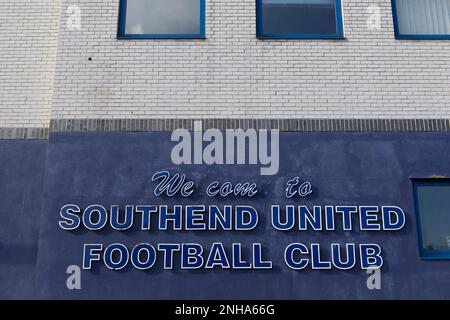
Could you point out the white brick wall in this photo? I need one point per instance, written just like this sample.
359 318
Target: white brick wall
28 42
232 74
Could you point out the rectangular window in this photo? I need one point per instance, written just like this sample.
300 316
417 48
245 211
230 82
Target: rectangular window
432 201
421 19
299 19
162 19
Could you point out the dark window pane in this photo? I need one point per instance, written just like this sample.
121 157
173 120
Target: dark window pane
299 17
434 211
162 17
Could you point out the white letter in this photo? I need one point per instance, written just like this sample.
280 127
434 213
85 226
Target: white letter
374 281
74 19
216 147
272 160
74 280
198 142
374 20
181 153
236 140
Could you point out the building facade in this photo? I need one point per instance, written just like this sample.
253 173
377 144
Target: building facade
85 109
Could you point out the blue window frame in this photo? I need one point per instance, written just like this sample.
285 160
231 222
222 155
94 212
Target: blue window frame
299 19
421 19
432 202
161 19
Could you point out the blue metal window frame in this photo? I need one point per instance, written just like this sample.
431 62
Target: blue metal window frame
339 27
122 22
417 182
400 36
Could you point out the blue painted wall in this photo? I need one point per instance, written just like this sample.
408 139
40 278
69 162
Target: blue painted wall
344 168
21 194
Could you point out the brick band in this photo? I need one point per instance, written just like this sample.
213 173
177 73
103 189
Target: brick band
24 133
293 125
296 125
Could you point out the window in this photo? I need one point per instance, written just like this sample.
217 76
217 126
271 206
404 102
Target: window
421 19
162 19
299 19
432 201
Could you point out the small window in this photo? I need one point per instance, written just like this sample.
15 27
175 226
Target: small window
162 19
432 201
299 19
421 19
